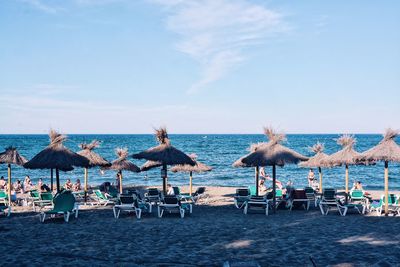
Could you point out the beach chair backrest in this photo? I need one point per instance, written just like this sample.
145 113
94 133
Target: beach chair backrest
329 193
278 193
64 201
392 199
252 190
46 196
258 199
200 190
34 194
171 200
309 190
3 195
100 194
177 191
299 194
112 191
357 194
153 192
126 199
242 192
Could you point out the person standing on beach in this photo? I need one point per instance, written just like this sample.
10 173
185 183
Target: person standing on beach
311 177
2 182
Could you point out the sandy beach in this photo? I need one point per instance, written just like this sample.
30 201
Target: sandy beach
216 232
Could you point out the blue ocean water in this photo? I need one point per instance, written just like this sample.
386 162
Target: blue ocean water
218 151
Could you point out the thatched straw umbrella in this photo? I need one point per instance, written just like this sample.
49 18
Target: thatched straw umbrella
95 160
346 156
148 165
271 154
164 153
11 156
198 167
57 156
122 164
316 161
387 150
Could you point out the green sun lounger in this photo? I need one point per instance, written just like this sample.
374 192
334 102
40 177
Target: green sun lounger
3 208
64 203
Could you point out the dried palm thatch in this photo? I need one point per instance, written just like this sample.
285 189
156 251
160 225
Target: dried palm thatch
94 158
198 167
11 156
122 163
346 156
164 152
271 153
316 160
57 156
386 150
148 165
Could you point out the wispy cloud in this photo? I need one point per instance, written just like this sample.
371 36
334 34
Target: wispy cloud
42 6
215 32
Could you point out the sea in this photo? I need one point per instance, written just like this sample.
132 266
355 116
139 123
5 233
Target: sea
216 150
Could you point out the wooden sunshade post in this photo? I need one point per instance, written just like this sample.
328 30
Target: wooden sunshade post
9 184
86 183
164 176
58 180
51 180
347 179
257 174
320 179
274 187
190 182
120 182
386 188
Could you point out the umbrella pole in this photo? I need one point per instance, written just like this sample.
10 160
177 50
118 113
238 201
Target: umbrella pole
86 183
120 182
190 190
274 187
164 174
320 179
9 184
51 180
257 178
386 188
347 179
58 180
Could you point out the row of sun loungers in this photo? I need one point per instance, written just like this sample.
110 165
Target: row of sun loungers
326 201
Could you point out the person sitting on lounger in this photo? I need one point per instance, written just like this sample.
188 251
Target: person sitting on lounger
45 188
68 185
170 190
311 177
27 184
358 186
17 186
39 184
2 182
262 188
77 186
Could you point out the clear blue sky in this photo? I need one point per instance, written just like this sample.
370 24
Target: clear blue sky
216 66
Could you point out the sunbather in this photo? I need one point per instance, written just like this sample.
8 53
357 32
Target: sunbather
77 186
2 182
27 184
68 185
170 190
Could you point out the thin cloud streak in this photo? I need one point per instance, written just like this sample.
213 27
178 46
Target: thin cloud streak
215 32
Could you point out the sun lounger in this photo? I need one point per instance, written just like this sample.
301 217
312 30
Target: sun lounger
256 202
127 203
241 196
345 207
310 193
3 197
328 200
200 193
299 197
253 190
380 206
64 203
171 204
102 198
153 196
3 208
45 200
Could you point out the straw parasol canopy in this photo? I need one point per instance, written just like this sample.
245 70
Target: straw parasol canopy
387 150
198 167
148 165
94 159
346 156
122 164
272 154
164 153
316 161
11 156
57 156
